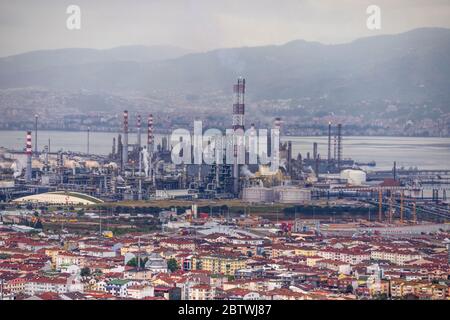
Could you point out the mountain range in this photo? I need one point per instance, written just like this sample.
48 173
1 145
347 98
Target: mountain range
411 67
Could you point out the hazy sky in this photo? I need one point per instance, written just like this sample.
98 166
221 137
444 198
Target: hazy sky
200 25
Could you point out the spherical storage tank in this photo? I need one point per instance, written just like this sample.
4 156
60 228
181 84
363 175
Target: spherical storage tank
354 177
257 194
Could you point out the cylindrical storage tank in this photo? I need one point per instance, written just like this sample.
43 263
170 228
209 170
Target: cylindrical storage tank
354 177
292 194
257 194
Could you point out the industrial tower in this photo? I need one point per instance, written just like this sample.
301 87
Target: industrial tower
139 132
238 127
29 153
125 140
150 139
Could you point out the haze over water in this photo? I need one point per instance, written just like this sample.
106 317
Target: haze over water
424 153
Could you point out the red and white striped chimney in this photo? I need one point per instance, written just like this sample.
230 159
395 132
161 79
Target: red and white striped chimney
125 139
29 153
139 131
150 138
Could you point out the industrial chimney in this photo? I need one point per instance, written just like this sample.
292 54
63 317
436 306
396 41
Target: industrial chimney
36 134
238 127
339 146
150 134
139 131
29 153
125 139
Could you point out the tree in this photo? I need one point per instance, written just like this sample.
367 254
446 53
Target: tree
410 296
349 289
172 265
381 296
4 256
133 262
85 272
38 225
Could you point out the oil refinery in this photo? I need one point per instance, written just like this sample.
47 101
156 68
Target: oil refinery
134 171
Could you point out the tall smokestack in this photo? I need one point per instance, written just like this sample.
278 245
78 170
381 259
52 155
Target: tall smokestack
238 127
113 151
150 139
316 159
29 153
35 134
239 105
125 139
329 143
316 165
139 131
339 146
275 153
120 149
315 150
46 158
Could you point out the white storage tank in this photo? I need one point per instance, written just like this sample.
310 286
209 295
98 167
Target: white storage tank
292 194
257 194
354 177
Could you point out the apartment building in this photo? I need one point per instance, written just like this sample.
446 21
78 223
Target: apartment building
226 265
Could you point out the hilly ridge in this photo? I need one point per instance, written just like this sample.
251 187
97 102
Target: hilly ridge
412 67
